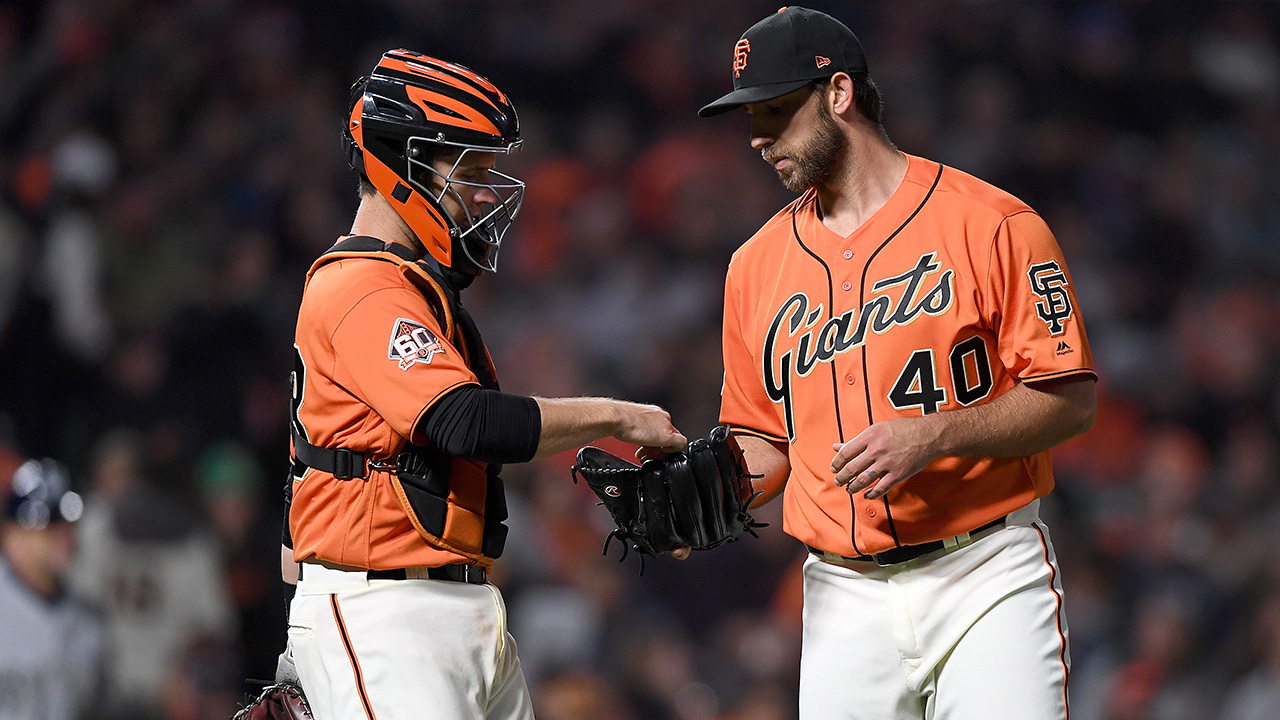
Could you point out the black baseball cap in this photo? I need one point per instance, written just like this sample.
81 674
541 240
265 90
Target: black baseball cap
786 51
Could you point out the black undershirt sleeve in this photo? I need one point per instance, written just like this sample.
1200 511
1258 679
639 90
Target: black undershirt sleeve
481 424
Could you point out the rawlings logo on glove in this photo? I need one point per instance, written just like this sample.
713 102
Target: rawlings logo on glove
697 498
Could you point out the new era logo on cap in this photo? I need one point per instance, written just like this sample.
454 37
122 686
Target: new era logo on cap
788 50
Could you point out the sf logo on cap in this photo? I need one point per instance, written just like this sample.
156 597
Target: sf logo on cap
740 56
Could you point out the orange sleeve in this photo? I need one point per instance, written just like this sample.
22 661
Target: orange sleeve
1031 303
394 352
744 403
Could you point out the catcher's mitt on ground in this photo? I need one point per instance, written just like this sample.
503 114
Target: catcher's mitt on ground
282 701
697 498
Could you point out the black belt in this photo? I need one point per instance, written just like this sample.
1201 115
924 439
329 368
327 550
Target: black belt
894 556
473 574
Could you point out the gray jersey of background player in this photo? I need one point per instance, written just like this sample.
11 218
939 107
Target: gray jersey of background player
51 642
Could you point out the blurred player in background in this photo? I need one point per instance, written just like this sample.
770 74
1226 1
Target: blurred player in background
52 644
152 566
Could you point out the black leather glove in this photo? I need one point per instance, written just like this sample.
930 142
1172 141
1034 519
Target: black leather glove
697 498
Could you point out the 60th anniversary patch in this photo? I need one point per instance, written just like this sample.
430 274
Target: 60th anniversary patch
412 342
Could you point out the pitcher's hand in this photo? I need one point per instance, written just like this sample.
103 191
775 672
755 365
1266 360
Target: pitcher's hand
884 455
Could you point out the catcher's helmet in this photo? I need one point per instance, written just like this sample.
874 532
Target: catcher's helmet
39 494
410 109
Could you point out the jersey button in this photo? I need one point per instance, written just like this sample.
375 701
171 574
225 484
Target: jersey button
848 254
847 285
848 379
871 512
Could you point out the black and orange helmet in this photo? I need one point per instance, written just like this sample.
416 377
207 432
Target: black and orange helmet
410 109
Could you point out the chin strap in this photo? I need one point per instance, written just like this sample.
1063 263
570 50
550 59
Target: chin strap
457 279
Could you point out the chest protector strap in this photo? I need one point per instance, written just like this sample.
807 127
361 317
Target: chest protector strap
440 492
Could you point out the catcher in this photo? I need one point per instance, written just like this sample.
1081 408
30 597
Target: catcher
399 426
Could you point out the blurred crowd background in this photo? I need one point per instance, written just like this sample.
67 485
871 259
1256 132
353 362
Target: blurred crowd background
170 170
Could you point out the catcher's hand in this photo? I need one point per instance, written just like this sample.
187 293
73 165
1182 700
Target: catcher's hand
282 701
697 498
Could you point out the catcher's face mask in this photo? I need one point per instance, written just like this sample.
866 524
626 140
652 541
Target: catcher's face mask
414 109
484 202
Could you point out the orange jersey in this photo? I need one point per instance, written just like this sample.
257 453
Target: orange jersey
945 298
372 358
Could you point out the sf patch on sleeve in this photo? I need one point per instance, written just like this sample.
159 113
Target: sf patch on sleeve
412 342
1049 282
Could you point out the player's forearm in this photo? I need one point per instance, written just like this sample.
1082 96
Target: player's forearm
1024 421
568 423
768 460
288 568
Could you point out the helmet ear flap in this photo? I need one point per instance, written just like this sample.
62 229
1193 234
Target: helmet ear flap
350 146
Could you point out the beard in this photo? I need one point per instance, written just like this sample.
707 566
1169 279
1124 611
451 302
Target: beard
816 160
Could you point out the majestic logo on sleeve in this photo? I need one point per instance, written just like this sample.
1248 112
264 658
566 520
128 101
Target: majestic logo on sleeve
796 344
740 56
411 342
1050 283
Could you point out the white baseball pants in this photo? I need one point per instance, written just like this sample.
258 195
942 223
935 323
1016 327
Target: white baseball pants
401 649
974 633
